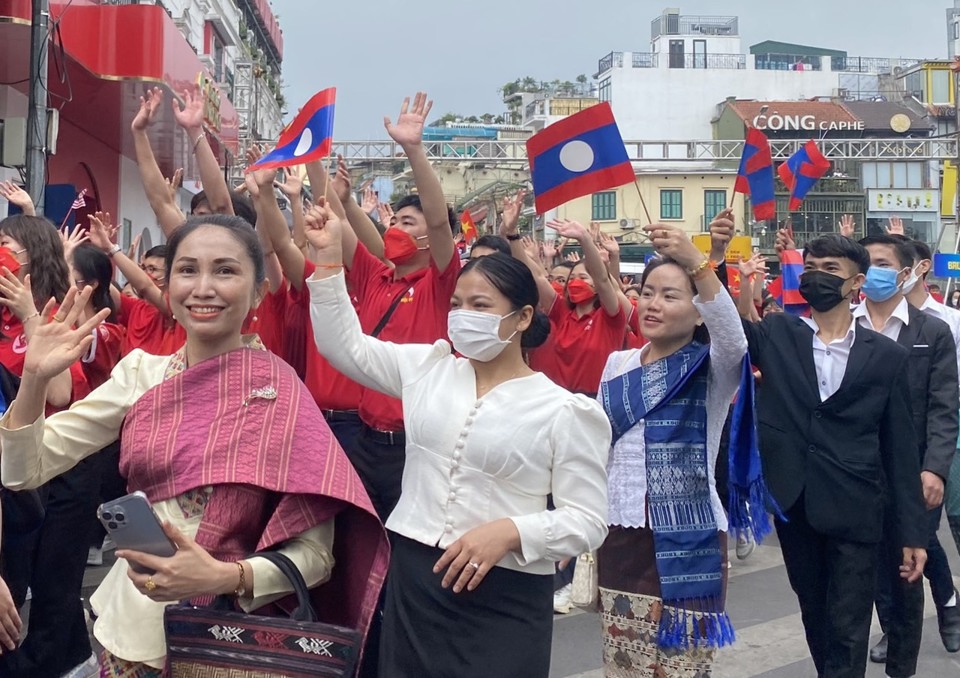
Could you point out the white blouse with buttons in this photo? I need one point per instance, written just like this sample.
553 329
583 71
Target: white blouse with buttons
473 460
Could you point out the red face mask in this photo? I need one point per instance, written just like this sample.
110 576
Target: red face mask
580 291
9 259
399 246
557 286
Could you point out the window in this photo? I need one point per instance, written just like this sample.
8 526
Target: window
671 203
714 202
956 30
699 53
939 87
606 90
604 206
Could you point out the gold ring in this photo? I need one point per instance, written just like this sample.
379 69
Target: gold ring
58 318
150 585
663 233
475 566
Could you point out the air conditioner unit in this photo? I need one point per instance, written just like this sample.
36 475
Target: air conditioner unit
628 224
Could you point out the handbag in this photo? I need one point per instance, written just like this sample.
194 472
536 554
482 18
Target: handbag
219 642
585 590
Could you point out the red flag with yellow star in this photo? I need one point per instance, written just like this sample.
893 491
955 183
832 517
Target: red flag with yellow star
468 228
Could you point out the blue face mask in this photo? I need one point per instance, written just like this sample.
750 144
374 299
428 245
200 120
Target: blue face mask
881 283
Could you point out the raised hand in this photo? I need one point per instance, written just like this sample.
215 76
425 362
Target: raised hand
254 153
385 213
189 115
408 130
174 183
721 232
16 295
56 344
784 240
609 244
595 232
134 248
550 250
371 201
570 229
531 248
512 206
101 234
149 105
847 226
674 243
342 181
292 185
895 226
753 265
71 240
323 231
17 196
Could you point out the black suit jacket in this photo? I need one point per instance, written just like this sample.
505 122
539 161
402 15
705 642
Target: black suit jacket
934 391
840 454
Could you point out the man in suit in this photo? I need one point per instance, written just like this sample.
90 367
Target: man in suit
837 442
934 396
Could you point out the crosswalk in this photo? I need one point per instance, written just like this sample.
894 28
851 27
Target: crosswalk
770 641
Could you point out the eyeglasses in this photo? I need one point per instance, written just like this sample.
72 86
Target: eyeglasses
153 270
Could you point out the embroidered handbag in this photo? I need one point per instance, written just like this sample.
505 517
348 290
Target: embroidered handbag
585 590
213 642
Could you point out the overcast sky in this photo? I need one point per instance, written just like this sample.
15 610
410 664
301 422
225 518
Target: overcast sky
379 51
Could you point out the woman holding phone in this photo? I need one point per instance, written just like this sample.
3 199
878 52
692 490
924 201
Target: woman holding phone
183 418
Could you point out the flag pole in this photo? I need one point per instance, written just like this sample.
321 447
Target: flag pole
642 202
64 222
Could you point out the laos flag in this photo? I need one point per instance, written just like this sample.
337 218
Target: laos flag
579 155
309 137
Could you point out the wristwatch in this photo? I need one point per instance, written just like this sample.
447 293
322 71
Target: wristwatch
514 237
113 250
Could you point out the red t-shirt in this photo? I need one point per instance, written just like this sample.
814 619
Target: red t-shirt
148 328
269 319
634 335
104 353
420 318
580 346
331 389
13 348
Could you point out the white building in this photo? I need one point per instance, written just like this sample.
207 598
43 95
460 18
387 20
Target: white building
670 91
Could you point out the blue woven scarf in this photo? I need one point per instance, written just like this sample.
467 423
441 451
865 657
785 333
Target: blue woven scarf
670 396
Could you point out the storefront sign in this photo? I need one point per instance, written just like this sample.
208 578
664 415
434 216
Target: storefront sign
806 123
946 265
741 246
903 200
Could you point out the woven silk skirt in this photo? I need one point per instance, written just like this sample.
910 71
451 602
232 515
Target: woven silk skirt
503 628
114 667
631 608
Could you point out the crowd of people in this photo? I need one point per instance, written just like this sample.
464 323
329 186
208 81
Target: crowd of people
433 431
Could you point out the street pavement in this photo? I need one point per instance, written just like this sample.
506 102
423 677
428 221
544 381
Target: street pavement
770 641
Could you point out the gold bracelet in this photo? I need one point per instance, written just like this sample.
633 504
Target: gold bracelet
242 586
698 272
35 314
330 266
200 138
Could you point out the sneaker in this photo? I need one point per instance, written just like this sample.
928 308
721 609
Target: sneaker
561 599
88 669
95 556
745 546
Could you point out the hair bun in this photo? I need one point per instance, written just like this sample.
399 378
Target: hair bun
537 333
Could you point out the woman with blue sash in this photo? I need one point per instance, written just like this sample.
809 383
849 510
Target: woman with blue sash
662 567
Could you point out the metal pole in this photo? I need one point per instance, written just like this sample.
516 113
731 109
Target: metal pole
37 118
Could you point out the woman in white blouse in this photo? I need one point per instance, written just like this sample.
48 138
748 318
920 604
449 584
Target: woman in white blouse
661 567
469 591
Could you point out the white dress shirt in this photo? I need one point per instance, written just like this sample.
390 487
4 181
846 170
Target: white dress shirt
470 460
949 315
627 466
891 328
831 359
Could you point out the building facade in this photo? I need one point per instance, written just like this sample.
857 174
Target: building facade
114 51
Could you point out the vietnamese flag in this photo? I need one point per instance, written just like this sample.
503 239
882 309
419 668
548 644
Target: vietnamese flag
467 226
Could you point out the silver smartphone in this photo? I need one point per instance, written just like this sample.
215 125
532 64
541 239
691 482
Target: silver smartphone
133 525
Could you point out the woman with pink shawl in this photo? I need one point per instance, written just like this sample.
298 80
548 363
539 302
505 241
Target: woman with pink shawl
224 440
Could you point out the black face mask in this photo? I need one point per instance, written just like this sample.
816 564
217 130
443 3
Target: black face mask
822 290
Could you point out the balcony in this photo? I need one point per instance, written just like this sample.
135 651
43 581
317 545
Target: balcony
874 65
612 60
675 24
646 60
734 62
788 62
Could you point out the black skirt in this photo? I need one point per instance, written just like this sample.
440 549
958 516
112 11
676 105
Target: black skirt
504 628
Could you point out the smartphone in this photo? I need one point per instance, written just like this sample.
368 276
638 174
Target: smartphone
133 525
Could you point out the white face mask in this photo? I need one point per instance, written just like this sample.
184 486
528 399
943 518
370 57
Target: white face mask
907 285
476 335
